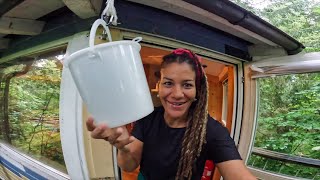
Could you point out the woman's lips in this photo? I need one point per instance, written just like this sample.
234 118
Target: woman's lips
176 105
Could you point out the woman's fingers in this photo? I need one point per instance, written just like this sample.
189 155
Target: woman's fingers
123 143
100 132
113 138
118 136
90 124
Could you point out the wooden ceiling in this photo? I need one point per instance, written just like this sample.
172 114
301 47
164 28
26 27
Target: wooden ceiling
20 17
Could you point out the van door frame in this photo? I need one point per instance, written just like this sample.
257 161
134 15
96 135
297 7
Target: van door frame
165 43
256 70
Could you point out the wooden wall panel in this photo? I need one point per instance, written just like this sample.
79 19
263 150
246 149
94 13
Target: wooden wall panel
152 82
215 105
215 97
230 97
98 153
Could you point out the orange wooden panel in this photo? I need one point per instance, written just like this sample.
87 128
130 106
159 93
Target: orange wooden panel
151 55
215 105
215 97
230 96
216 174
224 74
230 77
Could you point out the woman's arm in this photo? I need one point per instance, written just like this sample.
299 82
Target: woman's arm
129 157
235 169
129 148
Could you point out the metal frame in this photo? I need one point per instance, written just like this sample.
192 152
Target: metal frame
23 165
309 62
286 157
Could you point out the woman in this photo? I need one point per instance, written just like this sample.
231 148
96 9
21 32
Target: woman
175 140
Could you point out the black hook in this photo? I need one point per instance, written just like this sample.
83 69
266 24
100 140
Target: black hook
108 19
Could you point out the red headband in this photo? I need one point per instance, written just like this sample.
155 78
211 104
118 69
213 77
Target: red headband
181 51
197 61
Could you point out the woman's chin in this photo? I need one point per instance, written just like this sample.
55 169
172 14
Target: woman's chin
175 111
175 114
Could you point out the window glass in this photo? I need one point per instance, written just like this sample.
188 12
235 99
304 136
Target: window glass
30 119
288 125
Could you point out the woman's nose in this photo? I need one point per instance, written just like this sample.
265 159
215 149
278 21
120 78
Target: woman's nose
177 92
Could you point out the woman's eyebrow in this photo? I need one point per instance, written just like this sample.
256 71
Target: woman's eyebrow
188 80
167 78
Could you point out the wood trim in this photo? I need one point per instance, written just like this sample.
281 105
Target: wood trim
98 153
20 26
224 74
230 97
215 97
32 9
84 8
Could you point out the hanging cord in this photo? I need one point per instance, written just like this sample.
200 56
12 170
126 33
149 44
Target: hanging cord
109 13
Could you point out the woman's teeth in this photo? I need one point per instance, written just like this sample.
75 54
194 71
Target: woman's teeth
177 104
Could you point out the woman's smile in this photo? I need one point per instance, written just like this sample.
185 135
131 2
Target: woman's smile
176 105
177 91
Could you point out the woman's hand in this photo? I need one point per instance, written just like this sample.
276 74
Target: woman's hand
118 137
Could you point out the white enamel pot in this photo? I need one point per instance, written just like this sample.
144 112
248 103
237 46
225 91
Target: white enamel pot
111 79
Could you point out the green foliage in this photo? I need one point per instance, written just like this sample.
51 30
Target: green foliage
246 4
34 111
298 18
289 114
10 69
288 121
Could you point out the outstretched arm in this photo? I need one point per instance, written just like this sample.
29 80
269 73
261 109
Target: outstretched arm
129 148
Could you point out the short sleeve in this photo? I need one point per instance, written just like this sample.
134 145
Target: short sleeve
137 130
142 126
221 146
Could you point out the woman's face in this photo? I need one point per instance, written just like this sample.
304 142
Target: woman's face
177 90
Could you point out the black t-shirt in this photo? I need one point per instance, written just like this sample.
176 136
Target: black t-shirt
162 146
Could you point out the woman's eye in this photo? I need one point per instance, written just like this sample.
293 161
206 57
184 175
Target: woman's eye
167 83
187 85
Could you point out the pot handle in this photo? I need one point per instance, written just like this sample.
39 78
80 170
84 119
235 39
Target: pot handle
137 39
93 30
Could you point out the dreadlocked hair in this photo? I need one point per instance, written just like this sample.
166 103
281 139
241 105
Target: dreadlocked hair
195 134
